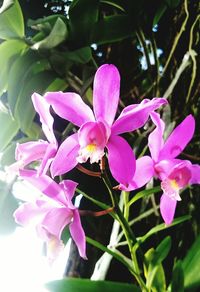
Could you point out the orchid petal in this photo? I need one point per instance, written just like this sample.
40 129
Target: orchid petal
178 139
144 171
70 106
47 159
195 170
181 173
167 208
155 140
164 167
43 109
54 222
121 160
65 159
78 234
69 187
135 116
106 93
45 184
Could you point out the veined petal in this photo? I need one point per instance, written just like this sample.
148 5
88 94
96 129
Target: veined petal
121 160
195 170
155 140
106 93
78 234
178 139
43 109
45 184
65 159
167 208
70 106
135 116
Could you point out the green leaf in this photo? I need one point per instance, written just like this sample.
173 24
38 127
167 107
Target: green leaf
160 12
172 3
8 156
12 22
57 35
161 251
19 75
143 194
6 4
9 128
85 285
37 83
112 29
8 51
82 17
8 204
117 4
178 278
57 85
81 56
191 267
162 226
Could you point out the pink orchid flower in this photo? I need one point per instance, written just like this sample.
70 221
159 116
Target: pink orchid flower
50 213
175 174
98 130
44 151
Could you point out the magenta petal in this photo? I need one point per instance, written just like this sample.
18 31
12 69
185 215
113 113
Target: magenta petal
27 212
195 170
54 222
47 159
106 93
178 139
167 208
43 109
45 184
65 159
78 234
121 160
70 106
155 140
144 171
135 116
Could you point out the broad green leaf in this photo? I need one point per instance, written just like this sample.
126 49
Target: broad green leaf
161 251
8 51
177 278
19 72
143 194
57 35
6 4
86 285
8 204
191 267
8 156
9 128
81 56
37 83
82 17
12 22
112 29
57 85
51 19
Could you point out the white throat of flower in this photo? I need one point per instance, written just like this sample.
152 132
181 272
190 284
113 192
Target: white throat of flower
92 152
171 188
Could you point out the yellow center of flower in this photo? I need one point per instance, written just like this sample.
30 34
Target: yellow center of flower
91 147
174 184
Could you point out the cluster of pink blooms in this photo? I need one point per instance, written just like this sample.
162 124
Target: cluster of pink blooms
99 135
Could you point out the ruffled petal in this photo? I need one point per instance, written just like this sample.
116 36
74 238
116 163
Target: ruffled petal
155 140
70 106
121 160
43 109
106 93
47 159
135 116
78 234
167 208
178 139
66 157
